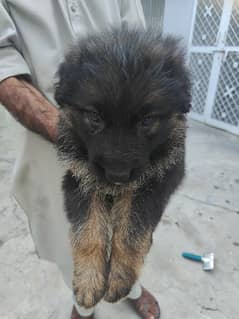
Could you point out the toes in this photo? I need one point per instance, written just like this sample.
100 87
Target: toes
153 311
115 294
119 287
88 298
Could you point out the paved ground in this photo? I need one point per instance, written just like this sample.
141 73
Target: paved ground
203 216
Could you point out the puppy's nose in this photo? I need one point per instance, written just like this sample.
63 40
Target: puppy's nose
117 177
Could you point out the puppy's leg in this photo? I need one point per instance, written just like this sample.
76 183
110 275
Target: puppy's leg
90 255
130 243
138 215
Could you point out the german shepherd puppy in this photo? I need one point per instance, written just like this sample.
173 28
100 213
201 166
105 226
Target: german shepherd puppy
123 97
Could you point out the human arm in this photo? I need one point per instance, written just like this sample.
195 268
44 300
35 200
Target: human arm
29 107
18 96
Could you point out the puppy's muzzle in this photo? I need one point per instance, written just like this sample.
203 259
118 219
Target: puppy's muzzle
118 177
116 171
114 175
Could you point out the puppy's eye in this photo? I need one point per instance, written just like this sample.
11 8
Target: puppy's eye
148 121
94 122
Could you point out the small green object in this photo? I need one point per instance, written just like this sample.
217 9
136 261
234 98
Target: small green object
192 256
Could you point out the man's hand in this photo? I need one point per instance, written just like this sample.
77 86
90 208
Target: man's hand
30 107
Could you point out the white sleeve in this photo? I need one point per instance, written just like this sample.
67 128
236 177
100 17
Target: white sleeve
132 13
11 61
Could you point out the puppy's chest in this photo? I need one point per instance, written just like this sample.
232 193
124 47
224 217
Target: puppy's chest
109 201
109 217
113 211
118 209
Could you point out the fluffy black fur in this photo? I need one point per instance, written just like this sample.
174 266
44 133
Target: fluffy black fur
123 96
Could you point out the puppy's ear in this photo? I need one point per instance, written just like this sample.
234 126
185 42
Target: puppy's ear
184 103
67 79
60 86
174 73
186 108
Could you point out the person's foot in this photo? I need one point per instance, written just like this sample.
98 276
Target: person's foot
75 315
146 305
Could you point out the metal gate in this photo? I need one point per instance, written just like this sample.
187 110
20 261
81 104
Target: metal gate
214 61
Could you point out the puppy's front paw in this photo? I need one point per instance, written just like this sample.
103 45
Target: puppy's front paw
89 287
120 281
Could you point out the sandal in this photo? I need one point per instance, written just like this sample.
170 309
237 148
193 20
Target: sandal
146 305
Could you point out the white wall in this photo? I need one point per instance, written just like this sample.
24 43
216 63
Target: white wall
178 16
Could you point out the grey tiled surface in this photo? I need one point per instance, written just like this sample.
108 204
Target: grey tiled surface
202 216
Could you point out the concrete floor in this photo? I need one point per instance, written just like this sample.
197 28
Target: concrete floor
203 216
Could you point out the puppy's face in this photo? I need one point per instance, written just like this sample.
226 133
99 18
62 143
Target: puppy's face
119 92
119 137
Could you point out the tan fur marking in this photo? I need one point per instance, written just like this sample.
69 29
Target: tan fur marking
127 253
89 248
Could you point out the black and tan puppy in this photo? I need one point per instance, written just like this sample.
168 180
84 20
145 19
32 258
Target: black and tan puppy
123 95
